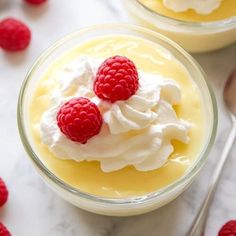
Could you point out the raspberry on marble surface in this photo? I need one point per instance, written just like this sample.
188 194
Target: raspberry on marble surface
3 192
228 229
35 2
3 230
14 35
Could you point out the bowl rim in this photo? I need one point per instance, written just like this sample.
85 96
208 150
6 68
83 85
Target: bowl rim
107 200
219 25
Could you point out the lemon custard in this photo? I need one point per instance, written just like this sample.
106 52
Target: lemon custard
87 176
226 9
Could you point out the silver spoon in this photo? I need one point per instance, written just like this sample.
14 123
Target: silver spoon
198 226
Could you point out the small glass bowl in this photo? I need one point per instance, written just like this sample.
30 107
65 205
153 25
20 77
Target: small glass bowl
194 37
103 205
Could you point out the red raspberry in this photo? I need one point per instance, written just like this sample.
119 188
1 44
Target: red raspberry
3 193
228 229
4 231
14 35
116 79
79 119
35 2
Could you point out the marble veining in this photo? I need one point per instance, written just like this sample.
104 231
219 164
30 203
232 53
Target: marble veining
33 209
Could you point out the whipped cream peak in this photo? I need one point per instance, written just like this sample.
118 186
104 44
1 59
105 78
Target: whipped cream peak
138 112
200 6
137 131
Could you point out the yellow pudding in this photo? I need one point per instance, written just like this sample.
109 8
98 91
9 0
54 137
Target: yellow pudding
127 182
226 10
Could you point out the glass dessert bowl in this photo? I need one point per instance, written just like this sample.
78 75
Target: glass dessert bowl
195 32
171 135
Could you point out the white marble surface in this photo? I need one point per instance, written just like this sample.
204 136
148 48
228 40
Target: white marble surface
33 209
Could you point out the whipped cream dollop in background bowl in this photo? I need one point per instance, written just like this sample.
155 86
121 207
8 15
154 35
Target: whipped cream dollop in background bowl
200 6
137 131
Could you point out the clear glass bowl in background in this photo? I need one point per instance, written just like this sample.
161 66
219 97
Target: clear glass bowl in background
103 205
194 37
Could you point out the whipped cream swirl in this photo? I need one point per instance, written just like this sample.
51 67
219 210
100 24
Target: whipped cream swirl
200 6
135 132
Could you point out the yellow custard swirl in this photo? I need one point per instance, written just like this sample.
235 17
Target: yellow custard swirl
226 10
127 182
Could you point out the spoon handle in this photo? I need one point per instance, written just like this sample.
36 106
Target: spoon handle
198 226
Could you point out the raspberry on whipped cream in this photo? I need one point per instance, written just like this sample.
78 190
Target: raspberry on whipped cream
137 131
116 79
200 6
79 119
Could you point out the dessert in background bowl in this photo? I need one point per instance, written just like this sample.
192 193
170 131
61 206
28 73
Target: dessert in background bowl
197 25
149 114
